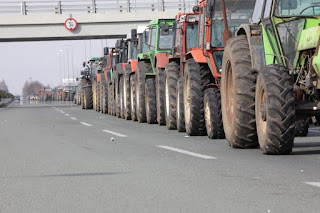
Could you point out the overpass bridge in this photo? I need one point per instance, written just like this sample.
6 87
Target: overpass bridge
96 19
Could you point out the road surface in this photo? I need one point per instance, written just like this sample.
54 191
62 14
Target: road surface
55 157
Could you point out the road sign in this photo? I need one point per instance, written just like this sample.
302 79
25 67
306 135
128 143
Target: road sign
71 24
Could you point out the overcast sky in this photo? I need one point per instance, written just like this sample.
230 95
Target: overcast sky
21 61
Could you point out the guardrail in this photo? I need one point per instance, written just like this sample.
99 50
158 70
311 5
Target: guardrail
93 6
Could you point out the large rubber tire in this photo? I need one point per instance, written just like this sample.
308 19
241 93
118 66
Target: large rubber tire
143 67
121 97
180 106
116 82
172 74
302 127
160 90
94 94
212 113
238 83
104 97
82 98
133 97
88 98
98 97
195 81
127 93
110 101
151 109
275 110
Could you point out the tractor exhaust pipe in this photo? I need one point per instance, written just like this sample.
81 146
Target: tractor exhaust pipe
227 32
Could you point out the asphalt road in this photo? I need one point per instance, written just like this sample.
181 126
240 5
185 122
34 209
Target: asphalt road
55 157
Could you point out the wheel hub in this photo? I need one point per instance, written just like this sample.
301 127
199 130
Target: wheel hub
263 111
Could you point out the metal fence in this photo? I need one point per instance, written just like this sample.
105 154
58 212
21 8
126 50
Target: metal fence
93 6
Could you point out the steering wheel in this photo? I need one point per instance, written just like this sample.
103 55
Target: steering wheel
313 6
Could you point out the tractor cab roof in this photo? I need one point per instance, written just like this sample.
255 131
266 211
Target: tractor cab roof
161 21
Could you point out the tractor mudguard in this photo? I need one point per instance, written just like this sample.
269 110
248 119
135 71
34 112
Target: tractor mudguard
98 77
133 65
197 55
255 40
162 60
124 66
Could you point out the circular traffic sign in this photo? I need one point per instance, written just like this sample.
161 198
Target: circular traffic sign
71 24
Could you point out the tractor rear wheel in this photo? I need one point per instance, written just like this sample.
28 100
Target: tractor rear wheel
194 84
172 74
180 106
160 87
110 100
116 82
133 97
151 109
302 127
275 110
88 98
143 67
121 97
98 97
104 98
127 93
238 83
212 113
94 94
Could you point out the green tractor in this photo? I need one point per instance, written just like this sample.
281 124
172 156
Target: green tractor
150 73
270 75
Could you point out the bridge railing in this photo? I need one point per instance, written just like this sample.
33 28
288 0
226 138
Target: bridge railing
93 6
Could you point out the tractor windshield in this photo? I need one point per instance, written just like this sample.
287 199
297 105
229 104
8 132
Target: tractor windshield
191 36
238 12
293 8
166 40
133 50
142 43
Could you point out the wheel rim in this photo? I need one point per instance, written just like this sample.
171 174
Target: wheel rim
137 97
131 98
121 100
187 101
262 112
147 101
124 94
167 98
229 91
207 116
178 105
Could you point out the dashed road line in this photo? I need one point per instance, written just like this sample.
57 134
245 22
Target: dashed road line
86 124
188 152
67 115
115 133
317 184
73 118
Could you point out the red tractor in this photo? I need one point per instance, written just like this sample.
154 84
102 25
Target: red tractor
201 69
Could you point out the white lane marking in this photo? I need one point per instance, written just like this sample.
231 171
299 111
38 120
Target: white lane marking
188 152
67 115
86 124
115 133
61 111
317 184
73 118
313 130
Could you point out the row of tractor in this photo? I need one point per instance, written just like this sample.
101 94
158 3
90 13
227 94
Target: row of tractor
247 71
62 93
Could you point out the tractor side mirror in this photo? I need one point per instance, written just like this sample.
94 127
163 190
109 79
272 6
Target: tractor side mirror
84 64
106 50
134 35
210 7
289 4
77 79
164 29
118 44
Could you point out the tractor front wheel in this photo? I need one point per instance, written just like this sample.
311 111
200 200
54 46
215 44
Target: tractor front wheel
151 109
88 98
133 97
275 110
172 75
